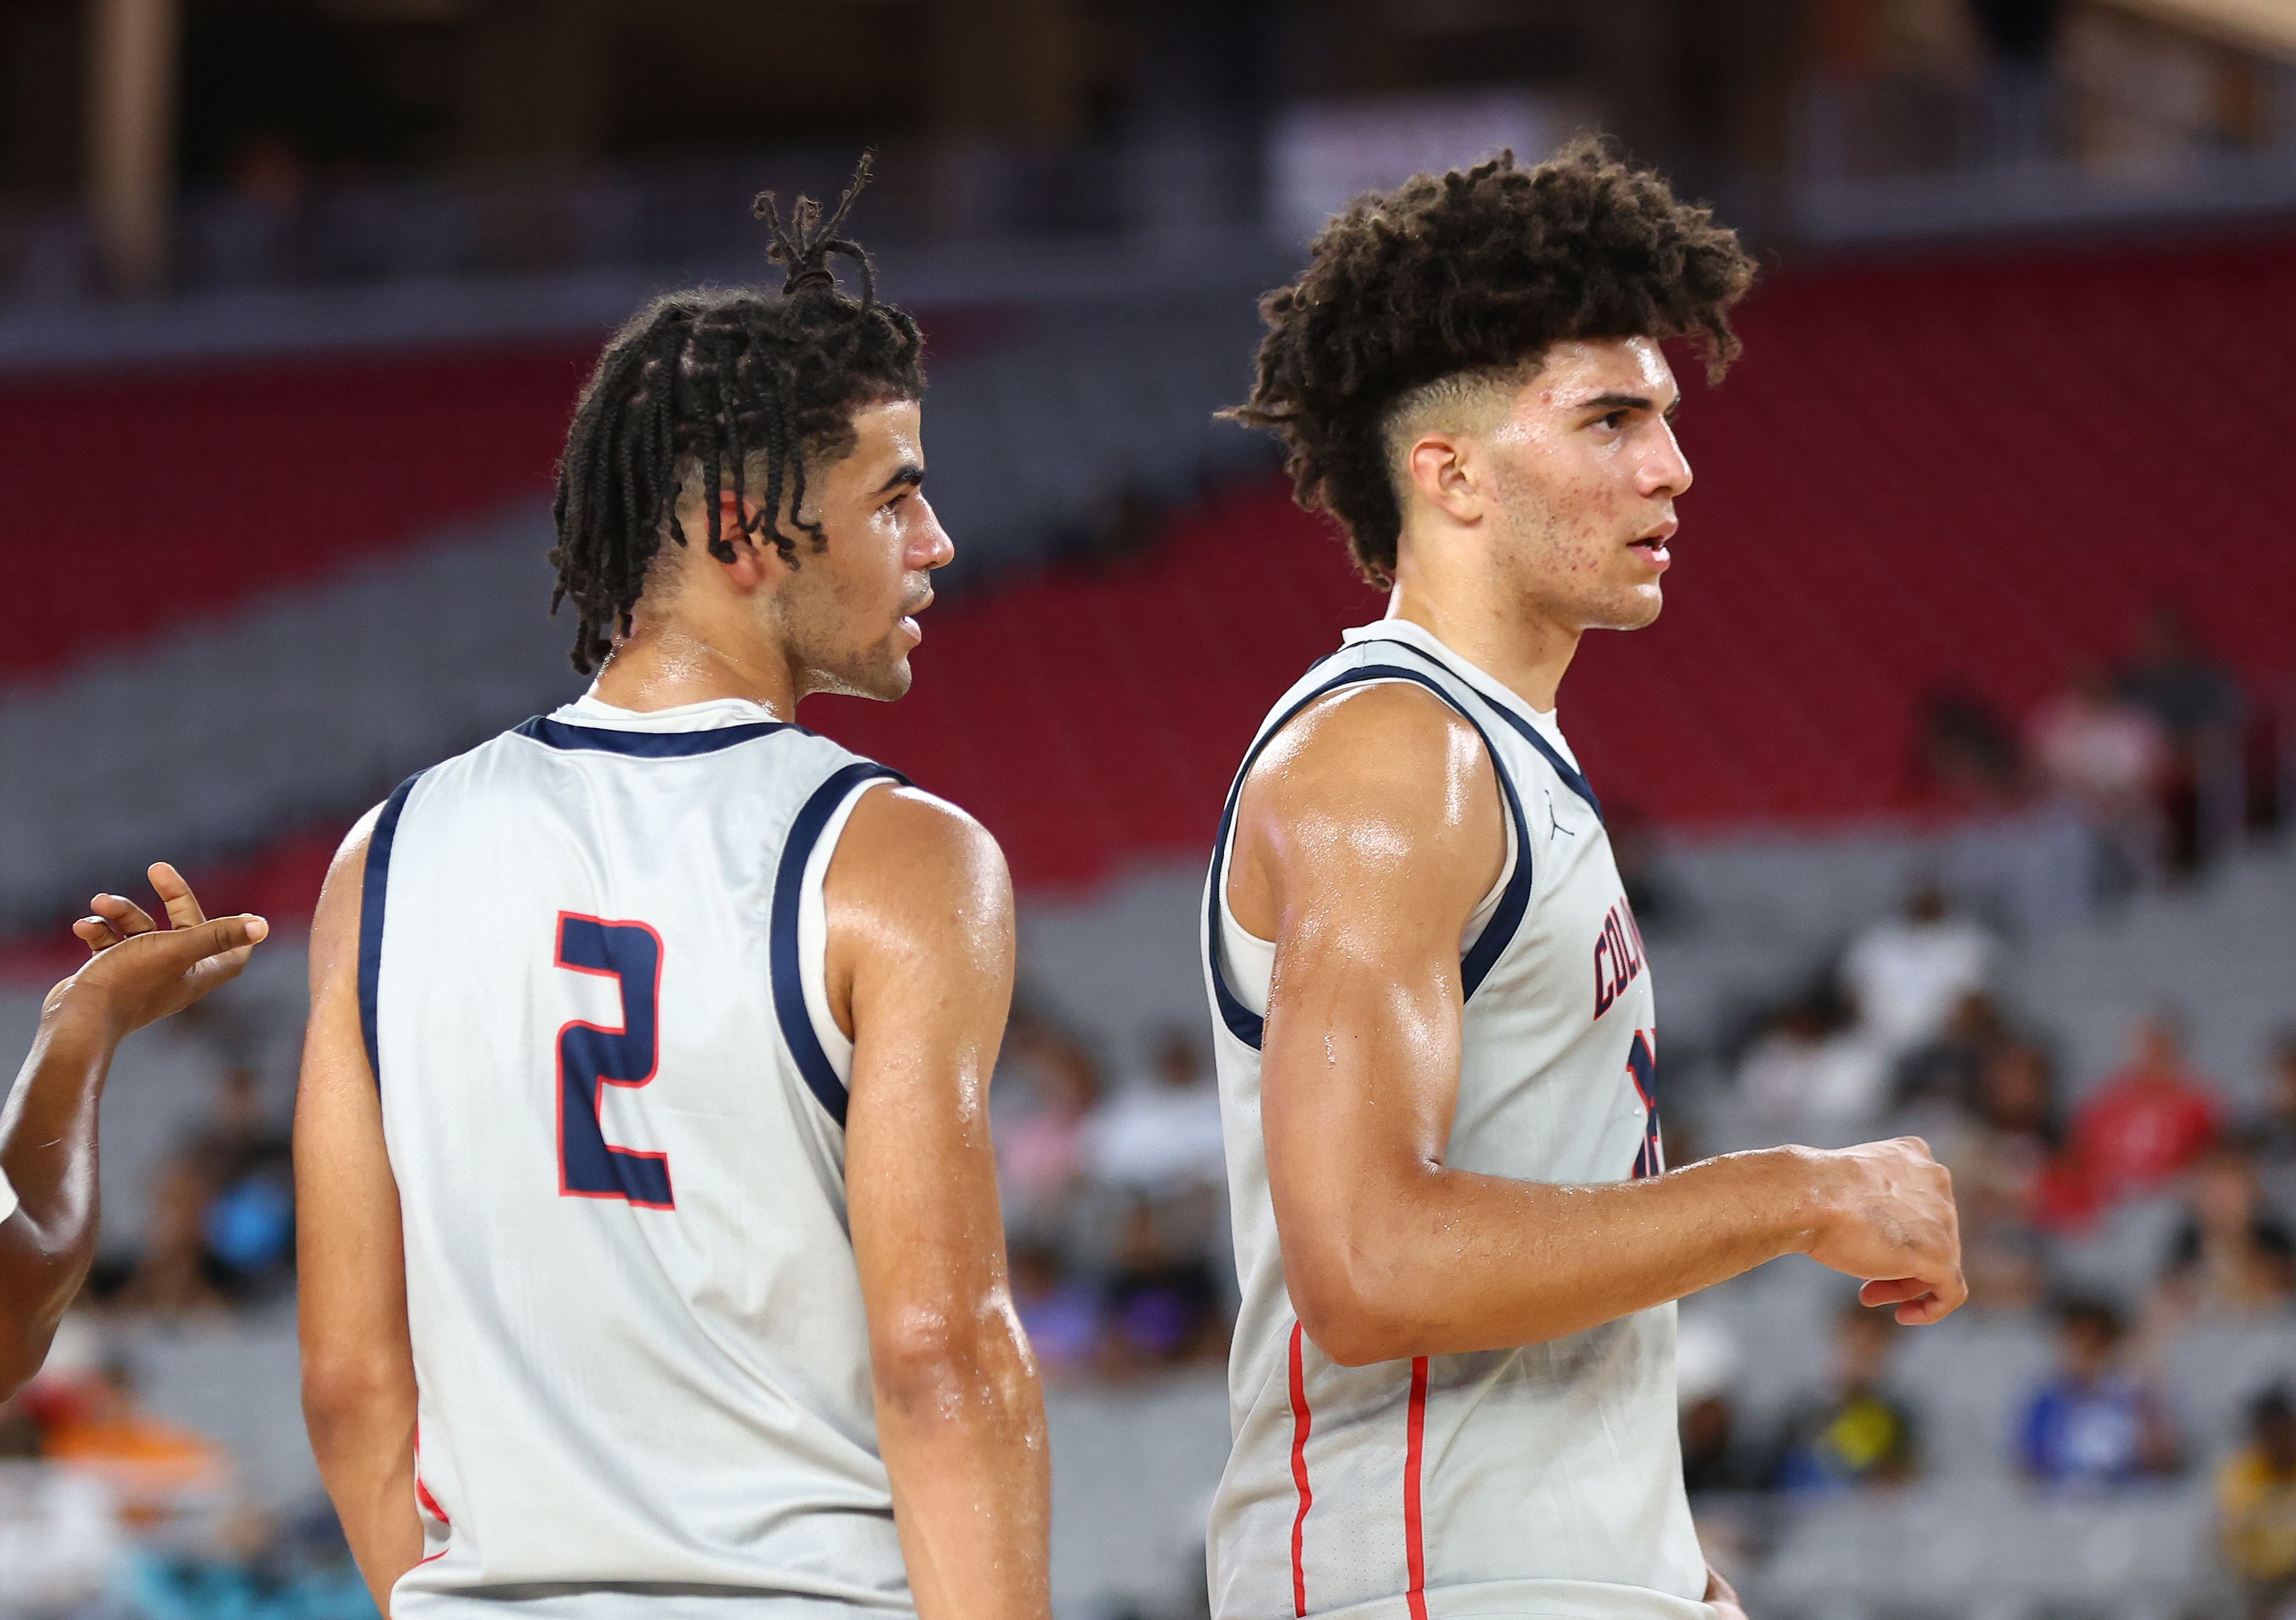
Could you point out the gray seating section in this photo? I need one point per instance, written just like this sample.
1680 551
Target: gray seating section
308 704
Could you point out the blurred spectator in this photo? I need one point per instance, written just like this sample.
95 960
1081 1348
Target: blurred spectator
2231 1257
1967 757
153 1466
254 1570
2108 757
1061 1312
1946 1070
175 1273
2008 1176
1044 1154
2173 678
2256 1509
1164 1307
2148 1122
2274 1138
1859 1433
1908 973
246 1156
1160 1135
1814 1072
1634 847
1705 1363
2198 706
2096 1423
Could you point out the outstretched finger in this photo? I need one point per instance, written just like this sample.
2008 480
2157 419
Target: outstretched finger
124 915
216 951
182 905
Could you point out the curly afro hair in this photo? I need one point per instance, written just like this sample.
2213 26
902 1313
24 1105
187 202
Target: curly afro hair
1473 271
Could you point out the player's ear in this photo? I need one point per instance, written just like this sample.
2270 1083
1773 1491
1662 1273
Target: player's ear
1441 474
756 562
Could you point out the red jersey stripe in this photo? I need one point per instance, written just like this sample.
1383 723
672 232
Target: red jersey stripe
1415 1446
1300 1424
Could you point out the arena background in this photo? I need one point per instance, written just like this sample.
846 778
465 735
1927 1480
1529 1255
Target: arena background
1953 788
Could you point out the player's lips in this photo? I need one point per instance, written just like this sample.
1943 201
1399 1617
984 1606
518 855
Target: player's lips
908 621
1652 546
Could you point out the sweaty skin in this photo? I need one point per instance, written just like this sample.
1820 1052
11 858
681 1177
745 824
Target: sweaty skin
139 973
1366 834
920 974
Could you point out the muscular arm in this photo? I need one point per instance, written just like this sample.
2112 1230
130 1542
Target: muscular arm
358 1362
48 1131
1367 835
920 972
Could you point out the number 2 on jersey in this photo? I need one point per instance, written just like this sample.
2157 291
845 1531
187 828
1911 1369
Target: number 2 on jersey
592 1056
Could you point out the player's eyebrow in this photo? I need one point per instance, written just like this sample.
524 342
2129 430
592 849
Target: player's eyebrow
911 473
1607 403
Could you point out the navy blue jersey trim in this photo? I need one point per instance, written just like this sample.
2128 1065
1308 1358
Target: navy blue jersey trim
374 892
1571 777
644 745
1506 916
789 883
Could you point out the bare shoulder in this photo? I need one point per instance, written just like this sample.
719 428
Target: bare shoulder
911 860
335 922
1391 756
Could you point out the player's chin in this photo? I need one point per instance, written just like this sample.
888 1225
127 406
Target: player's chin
1635 606
887 677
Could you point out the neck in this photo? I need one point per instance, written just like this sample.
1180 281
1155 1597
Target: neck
666 664
1482 618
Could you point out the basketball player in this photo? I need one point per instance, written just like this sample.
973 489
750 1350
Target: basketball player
652 1262
140 973
1453 1380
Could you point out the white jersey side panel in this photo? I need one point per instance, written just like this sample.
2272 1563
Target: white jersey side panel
614 1106
1544 1480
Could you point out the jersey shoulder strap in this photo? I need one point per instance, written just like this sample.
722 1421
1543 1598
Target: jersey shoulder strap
1368 663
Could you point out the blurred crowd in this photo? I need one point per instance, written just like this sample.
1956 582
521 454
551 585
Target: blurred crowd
2133 774
2162 1203
1115 1200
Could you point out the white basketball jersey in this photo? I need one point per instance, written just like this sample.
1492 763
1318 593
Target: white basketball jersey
590 977
1541 1481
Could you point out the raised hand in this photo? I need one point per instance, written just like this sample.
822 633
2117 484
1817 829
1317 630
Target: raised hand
140 972
1887 1217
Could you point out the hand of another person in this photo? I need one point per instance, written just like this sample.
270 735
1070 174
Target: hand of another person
140 972
1888 1218
1723 1596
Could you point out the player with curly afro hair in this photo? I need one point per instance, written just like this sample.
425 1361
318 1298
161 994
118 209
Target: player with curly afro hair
1426 295
1457 1235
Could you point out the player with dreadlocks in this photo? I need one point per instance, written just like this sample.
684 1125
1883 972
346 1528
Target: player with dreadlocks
651 1257
1459 1244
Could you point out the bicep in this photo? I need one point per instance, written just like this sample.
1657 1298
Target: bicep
351 1258
921 935
1377 847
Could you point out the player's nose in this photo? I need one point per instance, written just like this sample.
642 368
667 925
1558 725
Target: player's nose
1667 470
929 546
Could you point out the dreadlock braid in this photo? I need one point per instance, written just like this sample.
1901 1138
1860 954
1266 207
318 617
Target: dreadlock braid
727 389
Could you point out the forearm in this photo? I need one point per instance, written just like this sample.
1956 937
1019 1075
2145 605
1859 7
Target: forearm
48 1153
963 1441
365 1444
1446 1262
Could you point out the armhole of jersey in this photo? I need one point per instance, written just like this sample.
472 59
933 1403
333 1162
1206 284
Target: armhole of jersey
7 1198
813 936
374 895
1502 908
1248 962
797 973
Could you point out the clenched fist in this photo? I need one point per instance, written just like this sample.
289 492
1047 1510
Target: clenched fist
1885 1214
